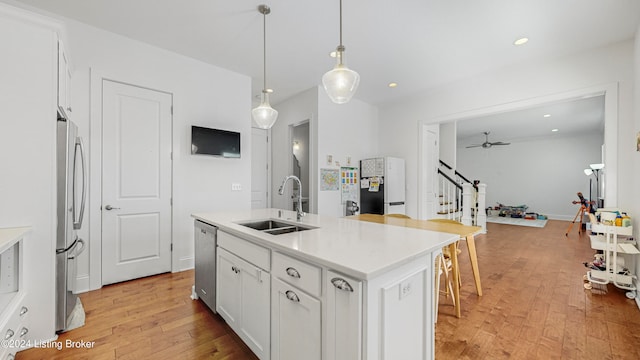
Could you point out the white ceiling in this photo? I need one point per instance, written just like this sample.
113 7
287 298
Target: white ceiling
419 44
581 116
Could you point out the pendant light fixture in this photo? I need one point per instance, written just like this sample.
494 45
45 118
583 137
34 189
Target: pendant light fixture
341 82
264 115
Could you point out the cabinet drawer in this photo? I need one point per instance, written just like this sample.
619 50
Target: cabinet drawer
303 275
257 255
15 329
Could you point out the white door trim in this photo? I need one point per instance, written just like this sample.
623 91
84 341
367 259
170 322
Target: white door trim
610 148
268 164
95 174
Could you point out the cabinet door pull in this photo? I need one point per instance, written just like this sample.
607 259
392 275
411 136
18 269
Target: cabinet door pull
293 272
24 310
292 296
341 284
9 334
24 331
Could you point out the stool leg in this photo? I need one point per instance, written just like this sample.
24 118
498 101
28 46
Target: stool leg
456 278
471 246
436 293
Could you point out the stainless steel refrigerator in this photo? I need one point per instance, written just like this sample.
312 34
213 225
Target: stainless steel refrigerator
71 195
382 186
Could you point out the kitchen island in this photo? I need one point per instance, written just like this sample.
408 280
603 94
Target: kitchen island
322 287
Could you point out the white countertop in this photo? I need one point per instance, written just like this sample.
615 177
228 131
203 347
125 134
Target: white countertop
9 236
360 249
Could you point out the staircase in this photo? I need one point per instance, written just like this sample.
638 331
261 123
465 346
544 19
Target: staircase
461 199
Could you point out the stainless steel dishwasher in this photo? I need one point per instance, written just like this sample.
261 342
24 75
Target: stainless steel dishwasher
205 263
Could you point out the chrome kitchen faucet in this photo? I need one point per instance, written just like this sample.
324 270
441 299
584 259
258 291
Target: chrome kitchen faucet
299 213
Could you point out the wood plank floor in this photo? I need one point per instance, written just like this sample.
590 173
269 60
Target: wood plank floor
534 307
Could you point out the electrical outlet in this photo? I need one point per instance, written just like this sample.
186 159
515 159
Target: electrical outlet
236 187
405 289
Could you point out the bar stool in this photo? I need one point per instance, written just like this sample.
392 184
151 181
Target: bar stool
471 248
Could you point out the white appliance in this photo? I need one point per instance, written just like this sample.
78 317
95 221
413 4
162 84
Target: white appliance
382 186
71 195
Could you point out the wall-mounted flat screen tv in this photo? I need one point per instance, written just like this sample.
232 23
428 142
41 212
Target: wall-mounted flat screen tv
215 142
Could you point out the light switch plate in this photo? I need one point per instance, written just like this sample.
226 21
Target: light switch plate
236 187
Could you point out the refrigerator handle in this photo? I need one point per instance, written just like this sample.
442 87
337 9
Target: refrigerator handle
79 145
64 250
83 245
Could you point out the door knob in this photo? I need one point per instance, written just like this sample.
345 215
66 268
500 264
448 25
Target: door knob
109 207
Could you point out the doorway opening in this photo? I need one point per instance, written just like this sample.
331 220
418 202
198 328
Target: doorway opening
299 164
609 147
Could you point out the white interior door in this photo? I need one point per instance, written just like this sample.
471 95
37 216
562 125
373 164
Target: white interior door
430 156
136 182
259 169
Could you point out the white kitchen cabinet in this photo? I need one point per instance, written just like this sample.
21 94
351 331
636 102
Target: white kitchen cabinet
228 289
343 317
295 323
205 263
242 295
64 82
343 290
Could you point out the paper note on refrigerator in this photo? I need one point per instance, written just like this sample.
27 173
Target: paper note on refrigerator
374 184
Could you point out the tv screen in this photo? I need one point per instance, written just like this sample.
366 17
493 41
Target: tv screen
215 142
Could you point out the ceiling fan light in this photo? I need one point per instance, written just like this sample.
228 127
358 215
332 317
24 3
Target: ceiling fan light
264 115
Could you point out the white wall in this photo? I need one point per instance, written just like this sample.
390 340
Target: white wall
28 156
203 95
613 64
294 110
447 143
544 174
346 130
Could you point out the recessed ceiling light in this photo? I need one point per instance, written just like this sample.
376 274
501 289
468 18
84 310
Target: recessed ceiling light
554 130
269 90
521 41
392 84
547 115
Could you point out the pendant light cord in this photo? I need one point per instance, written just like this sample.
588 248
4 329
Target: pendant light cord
341 23
264 50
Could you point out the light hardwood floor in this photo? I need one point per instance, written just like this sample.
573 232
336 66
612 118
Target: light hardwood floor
534 307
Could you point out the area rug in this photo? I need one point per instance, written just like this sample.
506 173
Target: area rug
516 221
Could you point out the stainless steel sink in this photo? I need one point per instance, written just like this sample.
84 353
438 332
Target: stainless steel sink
275 227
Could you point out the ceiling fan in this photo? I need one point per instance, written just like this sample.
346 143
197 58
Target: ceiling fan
487 144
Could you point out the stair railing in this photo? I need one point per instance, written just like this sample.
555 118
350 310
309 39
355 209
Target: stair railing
461 199
450 197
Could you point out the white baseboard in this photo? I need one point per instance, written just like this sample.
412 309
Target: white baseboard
82 284
561 217
185 263
635 281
